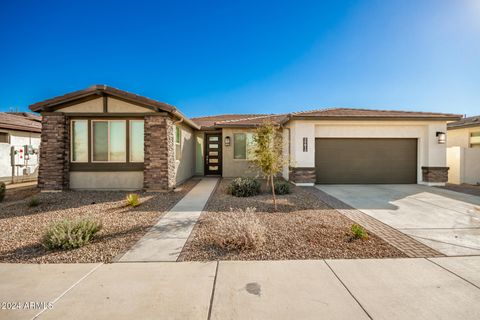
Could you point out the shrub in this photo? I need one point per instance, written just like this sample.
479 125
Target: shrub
132 200
358 231
236 230
282 187
3 189
244 187
70 234
33 202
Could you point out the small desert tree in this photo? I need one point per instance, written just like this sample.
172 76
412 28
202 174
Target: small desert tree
267 153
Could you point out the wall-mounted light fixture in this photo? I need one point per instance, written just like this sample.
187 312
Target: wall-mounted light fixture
441 137
227 141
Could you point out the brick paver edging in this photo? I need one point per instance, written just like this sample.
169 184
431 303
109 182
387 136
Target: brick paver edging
399 240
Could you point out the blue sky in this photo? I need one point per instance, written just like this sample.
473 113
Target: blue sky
211 57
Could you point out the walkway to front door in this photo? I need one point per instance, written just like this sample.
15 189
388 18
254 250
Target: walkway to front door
166 239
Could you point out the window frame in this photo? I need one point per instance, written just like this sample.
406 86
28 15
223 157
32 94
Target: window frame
71 141
108 140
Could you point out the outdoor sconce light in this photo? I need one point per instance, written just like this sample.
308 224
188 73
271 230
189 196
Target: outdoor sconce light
227 141
442 137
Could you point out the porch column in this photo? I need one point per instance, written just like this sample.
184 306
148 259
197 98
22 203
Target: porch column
159 169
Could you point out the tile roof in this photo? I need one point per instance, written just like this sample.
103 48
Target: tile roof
370 113
19 122
251 120
465 123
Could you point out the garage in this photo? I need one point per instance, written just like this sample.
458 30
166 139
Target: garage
365 160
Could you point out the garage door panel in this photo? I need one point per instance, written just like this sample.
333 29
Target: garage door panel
344 161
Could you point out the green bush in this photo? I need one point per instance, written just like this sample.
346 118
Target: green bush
282 187
70 234
244 187
3 189
33 202
358 231
132 200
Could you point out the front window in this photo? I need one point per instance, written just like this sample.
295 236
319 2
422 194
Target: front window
178 143
136 140
79 141
243 146
4 137
109 141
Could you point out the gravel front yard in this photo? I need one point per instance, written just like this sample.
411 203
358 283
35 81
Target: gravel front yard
22 227
303 228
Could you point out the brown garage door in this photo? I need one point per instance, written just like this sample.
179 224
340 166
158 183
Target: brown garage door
362 161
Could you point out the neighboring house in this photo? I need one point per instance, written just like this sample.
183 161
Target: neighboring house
105 138
18 130
463 153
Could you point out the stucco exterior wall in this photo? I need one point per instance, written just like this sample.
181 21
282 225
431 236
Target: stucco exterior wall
122 180
17 138
460 137
185 167
91 106
430 152
235 167
464 165
119 106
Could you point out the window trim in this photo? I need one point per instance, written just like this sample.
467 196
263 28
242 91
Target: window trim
108 140
71 141
129 140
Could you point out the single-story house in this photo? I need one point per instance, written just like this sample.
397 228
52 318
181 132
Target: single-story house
19 142
106 138
463 151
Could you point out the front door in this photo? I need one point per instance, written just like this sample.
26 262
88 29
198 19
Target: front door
213 154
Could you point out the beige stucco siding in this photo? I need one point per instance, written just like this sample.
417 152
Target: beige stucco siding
460 137
91 106
235 167
185 167
123 180
199 153
119 106
430 152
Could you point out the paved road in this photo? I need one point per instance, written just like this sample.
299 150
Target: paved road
437 288
446 221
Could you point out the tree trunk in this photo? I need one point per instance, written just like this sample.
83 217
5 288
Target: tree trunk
273 193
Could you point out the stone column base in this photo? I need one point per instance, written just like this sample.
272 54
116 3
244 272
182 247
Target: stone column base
434 175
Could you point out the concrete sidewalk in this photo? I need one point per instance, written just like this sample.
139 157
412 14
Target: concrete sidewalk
165 240
437 288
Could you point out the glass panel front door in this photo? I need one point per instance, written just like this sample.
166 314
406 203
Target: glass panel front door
213 154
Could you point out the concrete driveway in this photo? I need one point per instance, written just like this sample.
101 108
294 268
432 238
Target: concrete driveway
446 221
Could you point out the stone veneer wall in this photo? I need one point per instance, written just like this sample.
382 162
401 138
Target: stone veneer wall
53 172
435 174
302 175
159 172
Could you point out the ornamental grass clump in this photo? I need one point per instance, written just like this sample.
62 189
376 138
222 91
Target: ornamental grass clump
236 230
244 187
132 200
70 234
358 232
33 202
